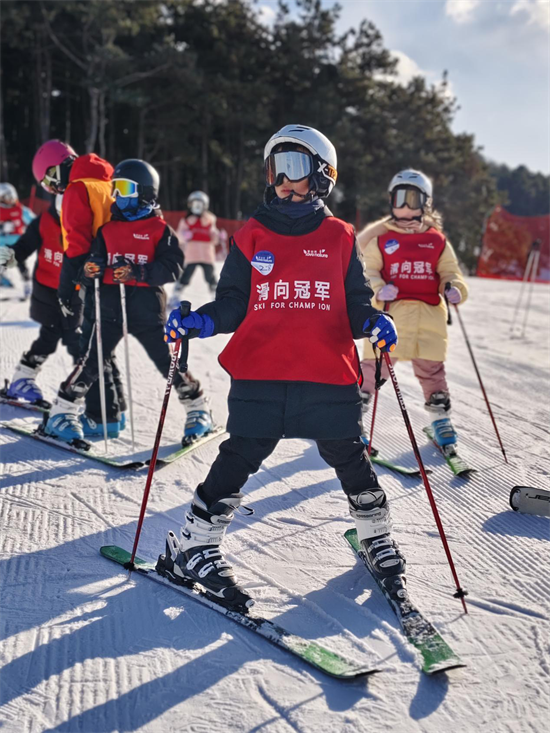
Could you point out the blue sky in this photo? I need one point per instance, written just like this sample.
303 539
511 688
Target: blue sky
497 54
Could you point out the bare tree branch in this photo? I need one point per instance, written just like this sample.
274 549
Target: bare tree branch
139 75
60 45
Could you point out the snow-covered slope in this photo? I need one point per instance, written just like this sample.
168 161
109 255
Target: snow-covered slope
85 649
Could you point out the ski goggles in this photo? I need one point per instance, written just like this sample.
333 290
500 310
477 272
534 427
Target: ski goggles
124 187
52 178
409 196
56 178
293 165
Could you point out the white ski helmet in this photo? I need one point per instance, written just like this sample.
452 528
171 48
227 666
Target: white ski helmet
325 163
410 177
198 202
8 195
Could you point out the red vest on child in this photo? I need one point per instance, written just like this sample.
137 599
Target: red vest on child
12 219
50 254
296 327
200 232
410 262
134 240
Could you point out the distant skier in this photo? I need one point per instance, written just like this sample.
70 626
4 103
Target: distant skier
293 291
198 236
43 235
14 219
136 248
411 265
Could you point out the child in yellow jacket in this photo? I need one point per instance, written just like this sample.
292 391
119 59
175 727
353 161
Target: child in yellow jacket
411 267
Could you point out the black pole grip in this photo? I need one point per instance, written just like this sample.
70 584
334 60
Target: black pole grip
449 316
185 310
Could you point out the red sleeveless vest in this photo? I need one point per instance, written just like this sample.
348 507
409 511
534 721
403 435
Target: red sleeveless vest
135 240
12 219
410 262
50 254
200 233
296 327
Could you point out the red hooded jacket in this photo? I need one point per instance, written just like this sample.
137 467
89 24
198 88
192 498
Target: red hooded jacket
86 203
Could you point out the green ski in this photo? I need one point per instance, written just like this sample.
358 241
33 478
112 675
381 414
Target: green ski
308 651
437 655
457 464
171 457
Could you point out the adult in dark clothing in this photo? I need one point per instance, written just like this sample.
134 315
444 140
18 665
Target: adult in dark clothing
43 235
293 291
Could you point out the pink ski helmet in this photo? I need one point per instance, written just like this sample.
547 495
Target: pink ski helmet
53 154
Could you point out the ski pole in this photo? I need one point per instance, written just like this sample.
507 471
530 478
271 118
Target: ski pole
127 359
526 276
100 364
460 592
480 382
378 382
534 271
177 353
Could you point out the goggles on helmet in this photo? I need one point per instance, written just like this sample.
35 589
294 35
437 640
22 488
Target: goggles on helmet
291 164
125 187
56 178
52 179
409 196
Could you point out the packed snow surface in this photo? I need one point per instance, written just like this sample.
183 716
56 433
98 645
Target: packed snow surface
85 648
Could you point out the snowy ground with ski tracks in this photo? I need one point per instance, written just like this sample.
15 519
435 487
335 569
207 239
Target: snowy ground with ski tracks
86 649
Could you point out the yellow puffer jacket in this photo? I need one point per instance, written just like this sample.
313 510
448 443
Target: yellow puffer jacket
421 328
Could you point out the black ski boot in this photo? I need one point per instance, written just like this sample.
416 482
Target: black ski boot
372 519
196 556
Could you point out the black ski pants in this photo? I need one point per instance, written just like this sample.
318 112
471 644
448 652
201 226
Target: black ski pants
189 270
83 380
240 457
47 342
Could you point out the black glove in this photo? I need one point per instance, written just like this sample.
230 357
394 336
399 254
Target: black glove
124 270
94 266
66 306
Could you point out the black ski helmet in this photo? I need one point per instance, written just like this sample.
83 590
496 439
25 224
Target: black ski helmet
143 174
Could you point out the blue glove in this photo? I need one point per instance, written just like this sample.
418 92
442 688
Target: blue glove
178 326
381 332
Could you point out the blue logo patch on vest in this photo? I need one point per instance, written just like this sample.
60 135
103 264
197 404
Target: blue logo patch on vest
391 246
263 261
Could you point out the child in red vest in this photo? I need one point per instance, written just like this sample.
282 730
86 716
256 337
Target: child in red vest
14 219
412 267
292 289
43 235
198 236
136 248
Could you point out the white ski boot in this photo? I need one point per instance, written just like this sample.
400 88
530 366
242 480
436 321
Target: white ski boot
372 519
196 556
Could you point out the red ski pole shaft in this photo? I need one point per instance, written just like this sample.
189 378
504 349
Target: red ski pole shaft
480 382
460 593
185 309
